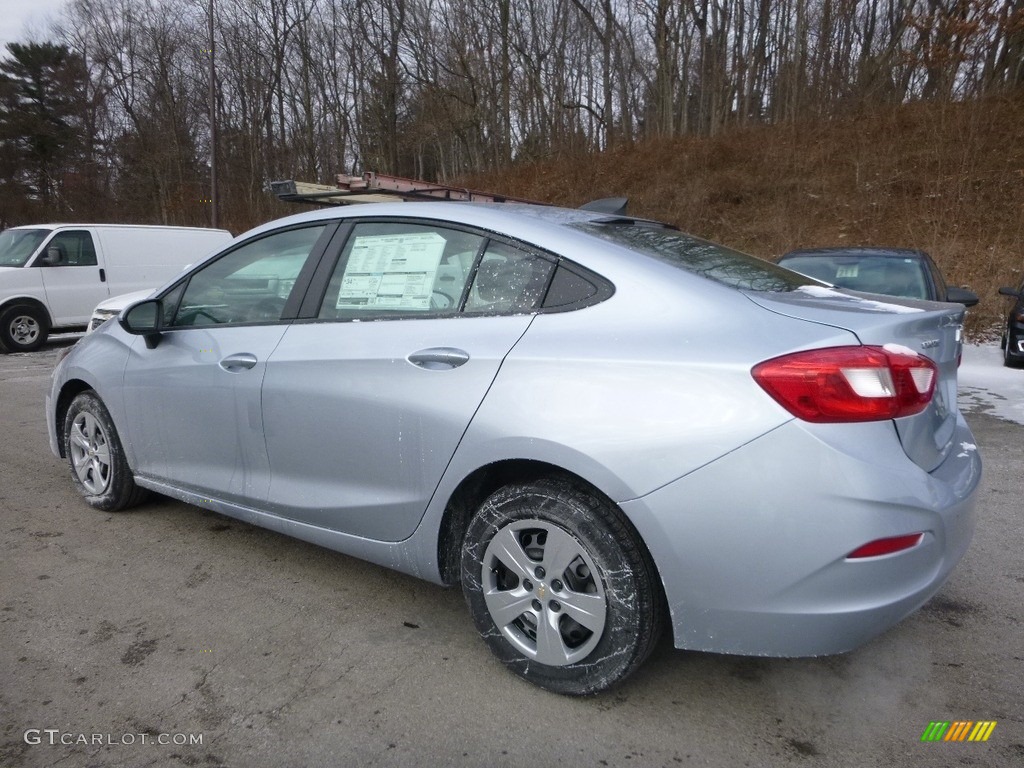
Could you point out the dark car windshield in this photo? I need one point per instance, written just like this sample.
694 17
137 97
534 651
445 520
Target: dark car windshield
16 245
888 275
701 257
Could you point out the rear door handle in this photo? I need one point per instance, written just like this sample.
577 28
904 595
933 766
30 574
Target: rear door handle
439 358
238 363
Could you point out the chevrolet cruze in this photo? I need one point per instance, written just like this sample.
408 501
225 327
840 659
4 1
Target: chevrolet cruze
600 427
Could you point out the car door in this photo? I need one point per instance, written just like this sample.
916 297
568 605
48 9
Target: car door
73 278
193 400
365 403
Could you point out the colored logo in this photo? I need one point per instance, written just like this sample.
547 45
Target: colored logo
959 730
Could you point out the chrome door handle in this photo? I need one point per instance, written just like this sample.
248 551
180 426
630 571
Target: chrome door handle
439 358
238 363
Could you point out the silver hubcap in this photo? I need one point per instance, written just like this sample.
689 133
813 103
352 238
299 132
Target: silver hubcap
24 329
90 453
543 593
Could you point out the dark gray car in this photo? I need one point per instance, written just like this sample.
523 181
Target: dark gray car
912 274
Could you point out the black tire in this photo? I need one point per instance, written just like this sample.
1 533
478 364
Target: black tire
557 523
94 452
23 328
1008 360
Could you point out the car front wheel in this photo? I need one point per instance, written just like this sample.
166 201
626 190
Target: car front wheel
98 465
559 586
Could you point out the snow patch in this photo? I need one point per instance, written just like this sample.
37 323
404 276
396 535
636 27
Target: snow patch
822 292
899 349
987 386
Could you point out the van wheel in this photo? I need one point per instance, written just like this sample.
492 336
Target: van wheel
23 328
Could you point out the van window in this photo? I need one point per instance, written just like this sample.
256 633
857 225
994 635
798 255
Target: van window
16 245
72 248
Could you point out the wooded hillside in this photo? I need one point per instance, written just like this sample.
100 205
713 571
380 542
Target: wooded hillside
947 178
763 123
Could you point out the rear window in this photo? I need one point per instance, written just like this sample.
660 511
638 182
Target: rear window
701 257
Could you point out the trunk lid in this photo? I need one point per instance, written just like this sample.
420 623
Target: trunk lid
927 328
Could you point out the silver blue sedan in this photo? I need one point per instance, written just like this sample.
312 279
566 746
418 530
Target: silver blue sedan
601 427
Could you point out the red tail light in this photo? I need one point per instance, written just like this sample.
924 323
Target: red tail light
845 384
886 546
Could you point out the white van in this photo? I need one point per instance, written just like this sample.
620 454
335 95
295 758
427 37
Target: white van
52 275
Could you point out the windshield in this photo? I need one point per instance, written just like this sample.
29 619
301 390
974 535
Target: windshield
16 245
704 258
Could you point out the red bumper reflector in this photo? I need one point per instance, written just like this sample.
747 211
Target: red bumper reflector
886 546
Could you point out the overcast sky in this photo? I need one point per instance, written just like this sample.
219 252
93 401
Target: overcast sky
22 20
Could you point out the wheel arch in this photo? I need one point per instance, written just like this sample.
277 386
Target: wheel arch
482 482
27 301
71 389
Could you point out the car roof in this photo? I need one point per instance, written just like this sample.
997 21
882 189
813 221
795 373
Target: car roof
496 215
545 227
854 251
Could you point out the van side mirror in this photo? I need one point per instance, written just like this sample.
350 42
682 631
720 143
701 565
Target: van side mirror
962 296
52 256
144 319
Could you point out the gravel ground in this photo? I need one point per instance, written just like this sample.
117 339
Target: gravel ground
171 623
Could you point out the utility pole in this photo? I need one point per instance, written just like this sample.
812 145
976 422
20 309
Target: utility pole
214 194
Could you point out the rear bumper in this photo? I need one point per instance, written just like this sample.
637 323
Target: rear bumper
752 548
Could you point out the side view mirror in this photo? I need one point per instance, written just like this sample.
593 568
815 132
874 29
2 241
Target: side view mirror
962 296
144 319
1010 292
52 256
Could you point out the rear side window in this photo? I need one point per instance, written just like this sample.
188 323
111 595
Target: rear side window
701 257
570 289
392 269
399 268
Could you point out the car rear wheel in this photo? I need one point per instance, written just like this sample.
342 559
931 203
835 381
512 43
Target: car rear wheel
23 329
559 586
98 465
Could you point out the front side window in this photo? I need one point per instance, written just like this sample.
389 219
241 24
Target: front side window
248 285
73 248
937 279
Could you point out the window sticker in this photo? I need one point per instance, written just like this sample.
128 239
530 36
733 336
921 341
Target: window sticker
850 271
391 271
